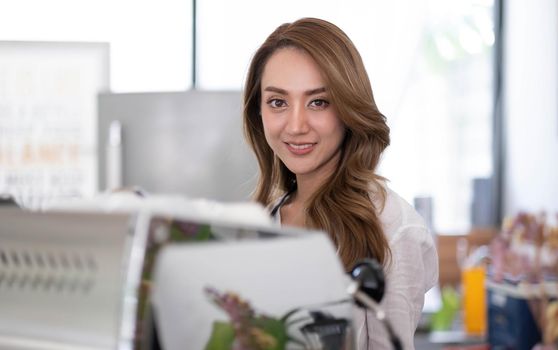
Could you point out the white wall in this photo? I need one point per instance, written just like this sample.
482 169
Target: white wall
531 109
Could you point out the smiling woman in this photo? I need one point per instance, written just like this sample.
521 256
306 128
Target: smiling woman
311 119
315 54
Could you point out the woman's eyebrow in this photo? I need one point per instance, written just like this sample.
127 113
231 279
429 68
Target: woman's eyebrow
315 91
284 92
276 89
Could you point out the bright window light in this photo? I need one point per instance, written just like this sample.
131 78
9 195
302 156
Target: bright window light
150 41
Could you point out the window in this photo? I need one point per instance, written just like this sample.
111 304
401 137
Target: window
150 41
441 128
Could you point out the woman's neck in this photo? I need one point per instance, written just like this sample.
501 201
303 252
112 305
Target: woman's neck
295 209
305 189
293 212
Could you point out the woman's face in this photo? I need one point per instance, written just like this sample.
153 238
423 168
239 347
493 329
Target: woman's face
300 122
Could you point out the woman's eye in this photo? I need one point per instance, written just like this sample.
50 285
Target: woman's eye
276 103
319 103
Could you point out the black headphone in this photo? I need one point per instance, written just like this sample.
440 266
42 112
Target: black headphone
368 289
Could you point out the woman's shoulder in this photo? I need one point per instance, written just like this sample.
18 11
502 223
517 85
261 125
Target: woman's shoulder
399 217
409 237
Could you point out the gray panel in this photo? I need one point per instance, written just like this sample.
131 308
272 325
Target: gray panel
189 143
61 279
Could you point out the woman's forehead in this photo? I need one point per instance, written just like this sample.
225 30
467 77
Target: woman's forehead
292 70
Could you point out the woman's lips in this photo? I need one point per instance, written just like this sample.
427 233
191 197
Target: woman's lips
300 148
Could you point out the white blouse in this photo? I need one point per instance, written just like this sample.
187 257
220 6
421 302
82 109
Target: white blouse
411 272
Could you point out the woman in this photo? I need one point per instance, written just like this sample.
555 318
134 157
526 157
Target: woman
311 119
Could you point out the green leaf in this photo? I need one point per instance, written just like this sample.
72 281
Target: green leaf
274 327
222 336
204 234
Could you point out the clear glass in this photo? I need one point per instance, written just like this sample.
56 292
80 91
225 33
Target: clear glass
442 129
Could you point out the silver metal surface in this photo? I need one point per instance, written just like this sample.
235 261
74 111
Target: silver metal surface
61 279
188 143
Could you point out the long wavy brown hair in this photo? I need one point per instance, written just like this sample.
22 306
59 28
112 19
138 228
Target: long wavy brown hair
342 206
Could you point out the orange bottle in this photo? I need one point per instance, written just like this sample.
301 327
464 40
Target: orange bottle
474 300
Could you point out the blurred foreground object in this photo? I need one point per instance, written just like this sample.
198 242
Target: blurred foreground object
122 271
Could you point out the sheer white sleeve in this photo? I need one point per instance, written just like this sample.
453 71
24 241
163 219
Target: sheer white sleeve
412 271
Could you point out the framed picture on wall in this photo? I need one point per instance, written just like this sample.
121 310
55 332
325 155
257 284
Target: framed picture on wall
48 119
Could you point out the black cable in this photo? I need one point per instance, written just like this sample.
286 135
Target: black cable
281 202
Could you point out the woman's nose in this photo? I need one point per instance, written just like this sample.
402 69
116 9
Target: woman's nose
298 121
